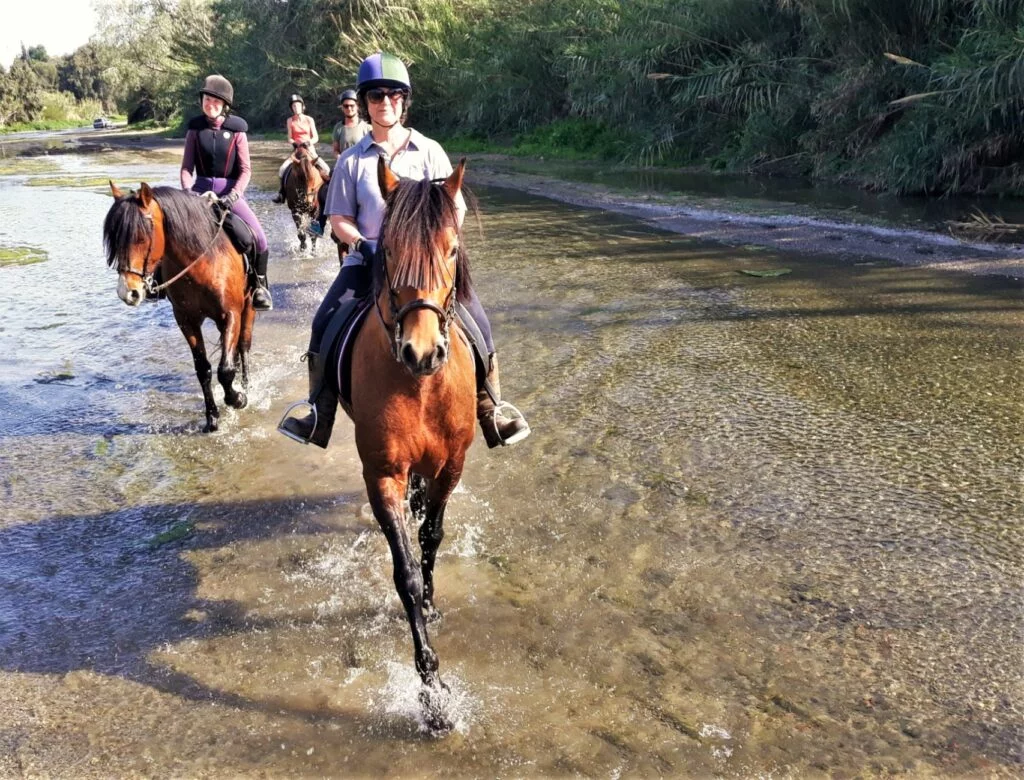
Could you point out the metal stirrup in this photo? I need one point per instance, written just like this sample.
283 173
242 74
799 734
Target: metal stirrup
286 416
500 408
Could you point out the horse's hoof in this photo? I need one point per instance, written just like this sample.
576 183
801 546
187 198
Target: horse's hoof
434 701
239 401
211 426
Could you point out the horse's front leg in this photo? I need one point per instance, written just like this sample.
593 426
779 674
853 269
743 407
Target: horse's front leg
434 499
387 496
229 333
194 336
299 230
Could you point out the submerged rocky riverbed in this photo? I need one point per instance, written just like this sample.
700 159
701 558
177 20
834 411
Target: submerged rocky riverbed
767 525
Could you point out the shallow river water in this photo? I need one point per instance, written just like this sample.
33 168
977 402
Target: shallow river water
764 527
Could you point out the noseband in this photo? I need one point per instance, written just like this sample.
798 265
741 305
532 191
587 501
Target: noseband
444 315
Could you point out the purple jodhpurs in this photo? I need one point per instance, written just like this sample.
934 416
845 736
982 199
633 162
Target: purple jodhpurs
240 207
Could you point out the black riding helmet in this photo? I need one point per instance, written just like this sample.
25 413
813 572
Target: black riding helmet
297 99
348 94
219 87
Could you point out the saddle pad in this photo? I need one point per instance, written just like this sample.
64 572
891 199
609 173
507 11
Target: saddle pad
342 346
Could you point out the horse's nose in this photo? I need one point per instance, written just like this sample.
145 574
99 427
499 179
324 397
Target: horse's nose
426 365
133 297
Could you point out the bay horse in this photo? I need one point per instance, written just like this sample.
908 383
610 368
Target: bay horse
176 232
413 393
302 193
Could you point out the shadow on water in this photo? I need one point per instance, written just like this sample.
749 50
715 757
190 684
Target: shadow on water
100 593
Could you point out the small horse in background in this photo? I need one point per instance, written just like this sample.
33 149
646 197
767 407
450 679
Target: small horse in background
413 396
302 193
176 232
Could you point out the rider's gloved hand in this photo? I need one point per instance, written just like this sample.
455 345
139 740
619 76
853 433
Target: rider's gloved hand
210 196
228 200
365 249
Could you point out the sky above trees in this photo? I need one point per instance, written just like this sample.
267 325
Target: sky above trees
61 26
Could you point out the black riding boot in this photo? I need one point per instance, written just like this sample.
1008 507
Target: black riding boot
261 300
500 421
315 427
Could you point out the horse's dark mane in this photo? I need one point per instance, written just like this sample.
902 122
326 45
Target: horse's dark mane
416 212
305 168
189 225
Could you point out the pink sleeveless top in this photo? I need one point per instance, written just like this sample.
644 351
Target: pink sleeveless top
300 129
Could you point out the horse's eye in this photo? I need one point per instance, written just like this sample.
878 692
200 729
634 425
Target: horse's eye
454 253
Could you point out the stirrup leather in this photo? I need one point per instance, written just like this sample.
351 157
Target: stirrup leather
287 416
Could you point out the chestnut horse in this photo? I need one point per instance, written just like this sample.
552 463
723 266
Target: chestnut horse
302 193
413 398
176 232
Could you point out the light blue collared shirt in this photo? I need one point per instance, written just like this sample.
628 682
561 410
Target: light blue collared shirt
354 191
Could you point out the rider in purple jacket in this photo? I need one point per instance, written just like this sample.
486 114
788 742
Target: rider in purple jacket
216 161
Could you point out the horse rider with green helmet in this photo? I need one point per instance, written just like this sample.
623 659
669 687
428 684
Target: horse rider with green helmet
216 164
356 209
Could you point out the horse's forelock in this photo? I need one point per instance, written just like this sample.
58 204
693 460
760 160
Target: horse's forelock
417 212
124 226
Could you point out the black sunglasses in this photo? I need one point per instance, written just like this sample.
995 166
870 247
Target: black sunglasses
378 95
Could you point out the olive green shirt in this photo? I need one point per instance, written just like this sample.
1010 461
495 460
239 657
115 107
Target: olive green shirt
346 136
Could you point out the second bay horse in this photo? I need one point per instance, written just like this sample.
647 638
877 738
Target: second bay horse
413 398
302 193
177 232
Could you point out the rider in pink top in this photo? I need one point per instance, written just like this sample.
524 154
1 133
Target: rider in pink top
302 133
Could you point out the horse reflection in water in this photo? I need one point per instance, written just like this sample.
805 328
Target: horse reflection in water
413 397
176 232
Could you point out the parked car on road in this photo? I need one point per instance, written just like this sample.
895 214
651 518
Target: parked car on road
100 123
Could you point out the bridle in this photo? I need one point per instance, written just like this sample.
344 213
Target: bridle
148 282
444 315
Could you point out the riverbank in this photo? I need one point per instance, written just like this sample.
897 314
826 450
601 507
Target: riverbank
763 226
731 223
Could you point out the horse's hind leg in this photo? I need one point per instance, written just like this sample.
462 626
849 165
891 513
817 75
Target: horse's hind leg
245 341
227 369
194 336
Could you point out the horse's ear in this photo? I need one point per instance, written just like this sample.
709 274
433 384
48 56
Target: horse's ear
454 182
385 177
145 195
115 190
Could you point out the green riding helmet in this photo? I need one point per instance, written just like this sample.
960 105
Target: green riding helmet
383 70
219 87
